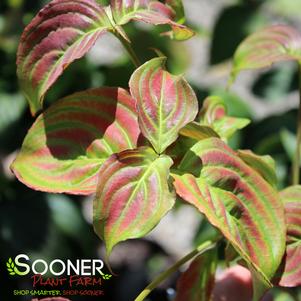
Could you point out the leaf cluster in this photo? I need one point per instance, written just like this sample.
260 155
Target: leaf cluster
138 149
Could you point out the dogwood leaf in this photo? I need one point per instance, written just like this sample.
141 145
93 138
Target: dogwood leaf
214 114
290 271
132 195
267 46
67 144
239 202
153 12
165 103
62 32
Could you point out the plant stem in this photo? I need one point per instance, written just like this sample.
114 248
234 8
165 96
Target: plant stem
200 249
128 47
296 162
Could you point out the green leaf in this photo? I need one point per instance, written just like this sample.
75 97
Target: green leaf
62 32
67 144
289 274
263 48
237 201
165 103
132 195
153 12
214 114
197 282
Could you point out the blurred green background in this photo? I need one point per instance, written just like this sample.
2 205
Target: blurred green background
59 226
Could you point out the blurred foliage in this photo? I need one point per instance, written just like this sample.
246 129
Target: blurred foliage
51 226
234 23
277 83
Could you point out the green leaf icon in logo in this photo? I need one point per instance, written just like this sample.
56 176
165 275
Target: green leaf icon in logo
12 269
106 276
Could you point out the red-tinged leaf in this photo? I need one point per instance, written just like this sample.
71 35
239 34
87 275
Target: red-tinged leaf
290 271
153 12
264 165
67 144
62 32
237 201
214 114
263 48
165 103
132 195
196 284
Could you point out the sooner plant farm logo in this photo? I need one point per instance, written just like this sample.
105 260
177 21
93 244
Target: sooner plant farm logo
57 267
71 274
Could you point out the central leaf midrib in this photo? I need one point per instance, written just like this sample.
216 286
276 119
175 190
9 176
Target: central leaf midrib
160 113
132 195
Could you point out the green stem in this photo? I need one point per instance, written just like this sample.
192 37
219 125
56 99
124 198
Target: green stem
296 162
200 249
128 47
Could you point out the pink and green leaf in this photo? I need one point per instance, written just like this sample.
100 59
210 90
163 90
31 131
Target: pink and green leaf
263 48
290 271
133 195
239 202
214 114
68 143
197 282
62 32
153 12
165 103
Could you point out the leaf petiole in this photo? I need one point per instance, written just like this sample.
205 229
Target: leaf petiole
128 47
